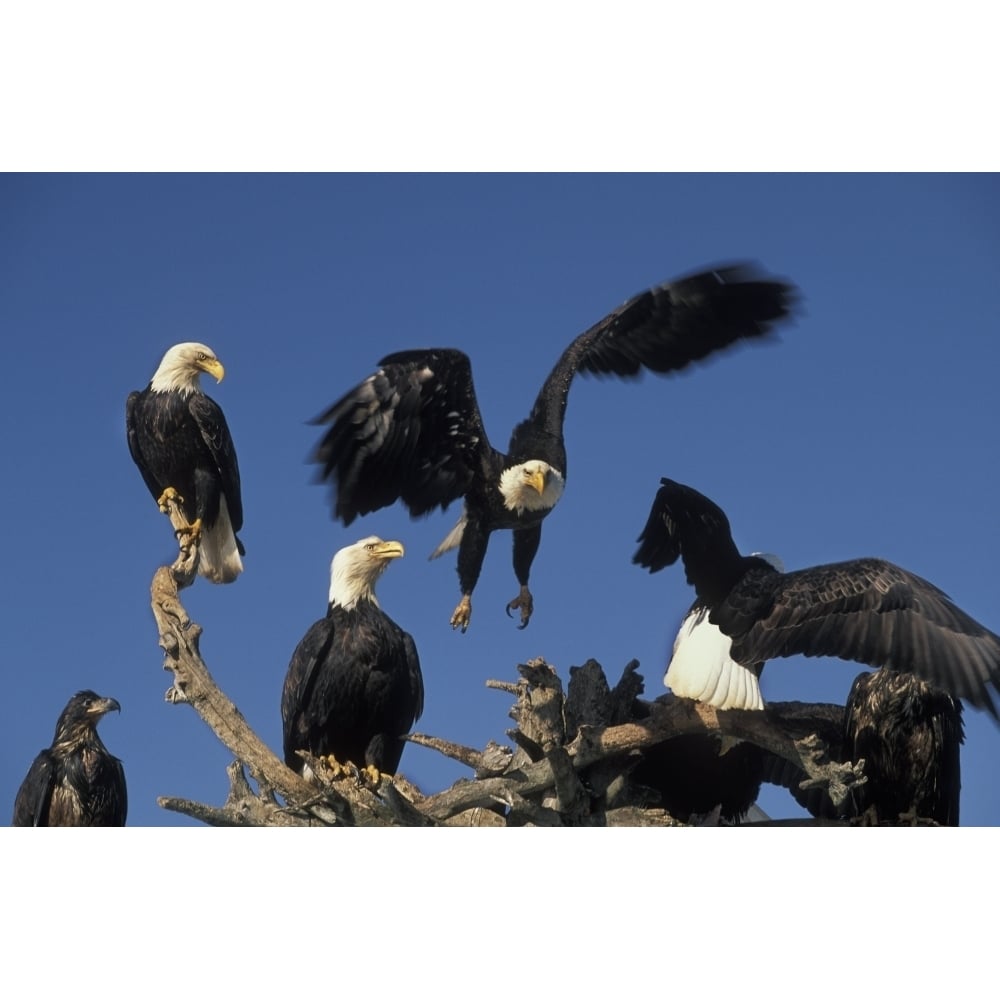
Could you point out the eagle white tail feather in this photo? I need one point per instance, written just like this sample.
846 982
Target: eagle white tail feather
218 556
453 539
702 668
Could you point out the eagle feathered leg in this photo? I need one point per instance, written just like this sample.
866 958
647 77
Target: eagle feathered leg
525 603
462 614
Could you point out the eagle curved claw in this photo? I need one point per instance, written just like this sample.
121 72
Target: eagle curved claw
462 615
526 604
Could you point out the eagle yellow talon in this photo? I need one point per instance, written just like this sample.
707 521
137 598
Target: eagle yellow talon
462 614
365 775
166 496
337 770
373 774
193 530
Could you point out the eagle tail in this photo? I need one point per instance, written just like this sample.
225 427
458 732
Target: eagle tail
702 668
453 539
220 550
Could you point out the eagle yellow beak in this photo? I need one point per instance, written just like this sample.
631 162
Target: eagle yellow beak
536 480
389 550
214 368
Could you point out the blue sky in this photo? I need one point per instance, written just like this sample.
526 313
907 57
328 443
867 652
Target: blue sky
866 428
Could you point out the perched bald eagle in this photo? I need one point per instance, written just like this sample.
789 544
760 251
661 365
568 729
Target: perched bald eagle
75 782
353 687
907 735
747 612
696 773
413 430
179 439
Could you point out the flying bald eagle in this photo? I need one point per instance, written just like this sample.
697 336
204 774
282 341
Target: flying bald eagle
413 430
75 782
747 611
353 687
179 439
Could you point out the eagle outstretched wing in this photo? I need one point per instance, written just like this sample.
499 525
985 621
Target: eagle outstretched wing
684 523
410 432
666 328
869 611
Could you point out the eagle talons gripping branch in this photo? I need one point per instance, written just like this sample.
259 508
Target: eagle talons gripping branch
368 775
166 497
192 532
373 774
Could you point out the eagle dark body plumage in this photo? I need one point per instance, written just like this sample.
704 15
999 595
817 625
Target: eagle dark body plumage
185 443
692 776
413 431
866 610
178 437
353 687
908 735
76 781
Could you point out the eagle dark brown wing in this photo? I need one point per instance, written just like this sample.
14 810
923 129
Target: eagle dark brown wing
666 328
869 611
410 432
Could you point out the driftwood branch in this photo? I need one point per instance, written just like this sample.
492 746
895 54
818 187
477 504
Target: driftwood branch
573 750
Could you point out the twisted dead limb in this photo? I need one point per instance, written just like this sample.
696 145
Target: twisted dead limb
788 730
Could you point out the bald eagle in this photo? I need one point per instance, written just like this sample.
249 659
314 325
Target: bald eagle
413 430
907 736
179 439
76 781
353 687
747 611
695 773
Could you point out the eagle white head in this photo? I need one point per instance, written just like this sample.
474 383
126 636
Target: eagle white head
182 366
355 568
532 485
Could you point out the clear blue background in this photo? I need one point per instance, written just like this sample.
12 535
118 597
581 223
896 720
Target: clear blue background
868 429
